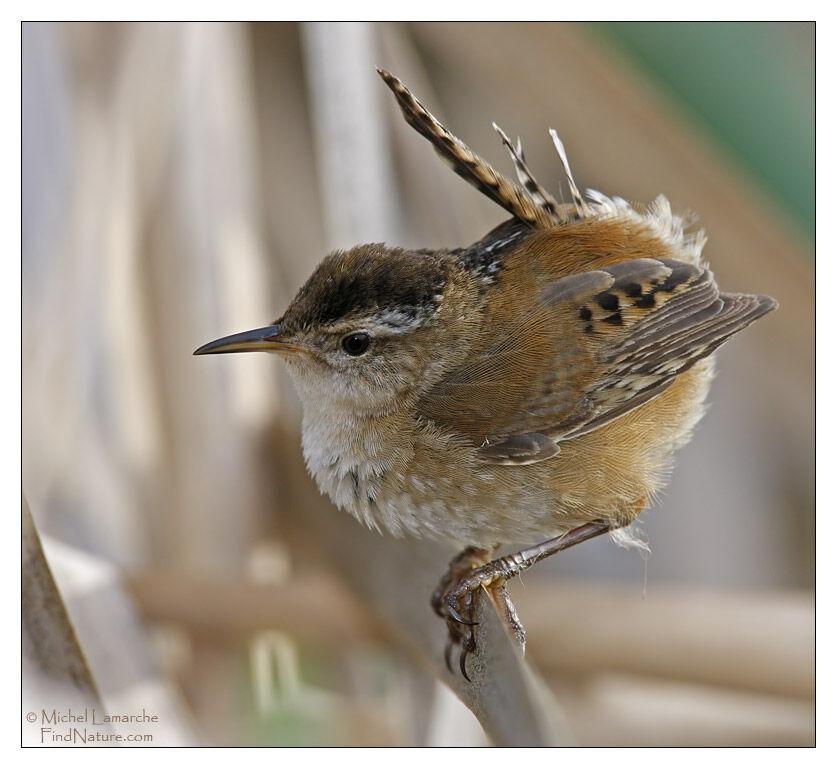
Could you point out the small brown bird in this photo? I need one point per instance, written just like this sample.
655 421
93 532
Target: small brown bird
531 387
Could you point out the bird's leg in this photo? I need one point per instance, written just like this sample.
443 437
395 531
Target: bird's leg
455 596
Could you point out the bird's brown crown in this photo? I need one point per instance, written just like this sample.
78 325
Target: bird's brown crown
398 286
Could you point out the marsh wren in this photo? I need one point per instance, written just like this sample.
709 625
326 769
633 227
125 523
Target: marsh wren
530 387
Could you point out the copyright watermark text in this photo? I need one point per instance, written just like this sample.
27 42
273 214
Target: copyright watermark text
89 726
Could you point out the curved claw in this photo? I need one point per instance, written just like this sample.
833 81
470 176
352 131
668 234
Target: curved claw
456 616
464 653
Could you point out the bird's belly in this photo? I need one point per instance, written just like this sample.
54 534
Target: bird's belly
439 489
436 490
476 510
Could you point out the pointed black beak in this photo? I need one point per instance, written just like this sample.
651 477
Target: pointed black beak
267 338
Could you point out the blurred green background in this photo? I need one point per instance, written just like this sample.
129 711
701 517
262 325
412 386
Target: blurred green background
750 85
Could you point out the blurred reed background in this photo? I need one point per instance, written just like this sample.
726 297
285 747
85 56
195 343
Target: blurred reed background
180 181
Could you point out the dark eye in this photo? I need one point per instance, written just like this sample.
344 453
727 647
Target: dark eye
355 344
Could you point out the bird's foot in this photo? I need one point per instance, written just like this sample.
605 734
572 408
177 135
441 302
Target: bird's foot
455 599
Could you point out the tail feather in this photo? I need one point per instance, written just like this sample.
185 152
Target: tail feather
470 166
526 178
581 206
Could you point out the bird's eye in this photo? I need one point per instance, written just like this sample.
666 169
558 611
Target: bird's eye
356 344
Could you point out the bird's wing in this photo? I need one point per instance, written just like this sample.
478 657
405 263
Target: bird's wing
595 346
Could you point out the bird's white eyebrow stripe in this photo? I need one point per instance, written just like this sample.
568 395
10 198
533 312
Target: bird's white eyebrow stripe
397 320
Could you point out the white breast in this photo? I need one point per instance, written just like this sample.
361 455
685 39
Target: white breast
352 466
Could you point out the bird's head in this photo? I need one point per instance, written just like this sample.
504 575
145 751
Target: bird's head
364 331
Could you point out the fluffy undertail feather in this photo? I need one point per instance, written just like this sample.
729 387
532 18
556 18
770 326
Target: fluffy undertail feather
631 536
